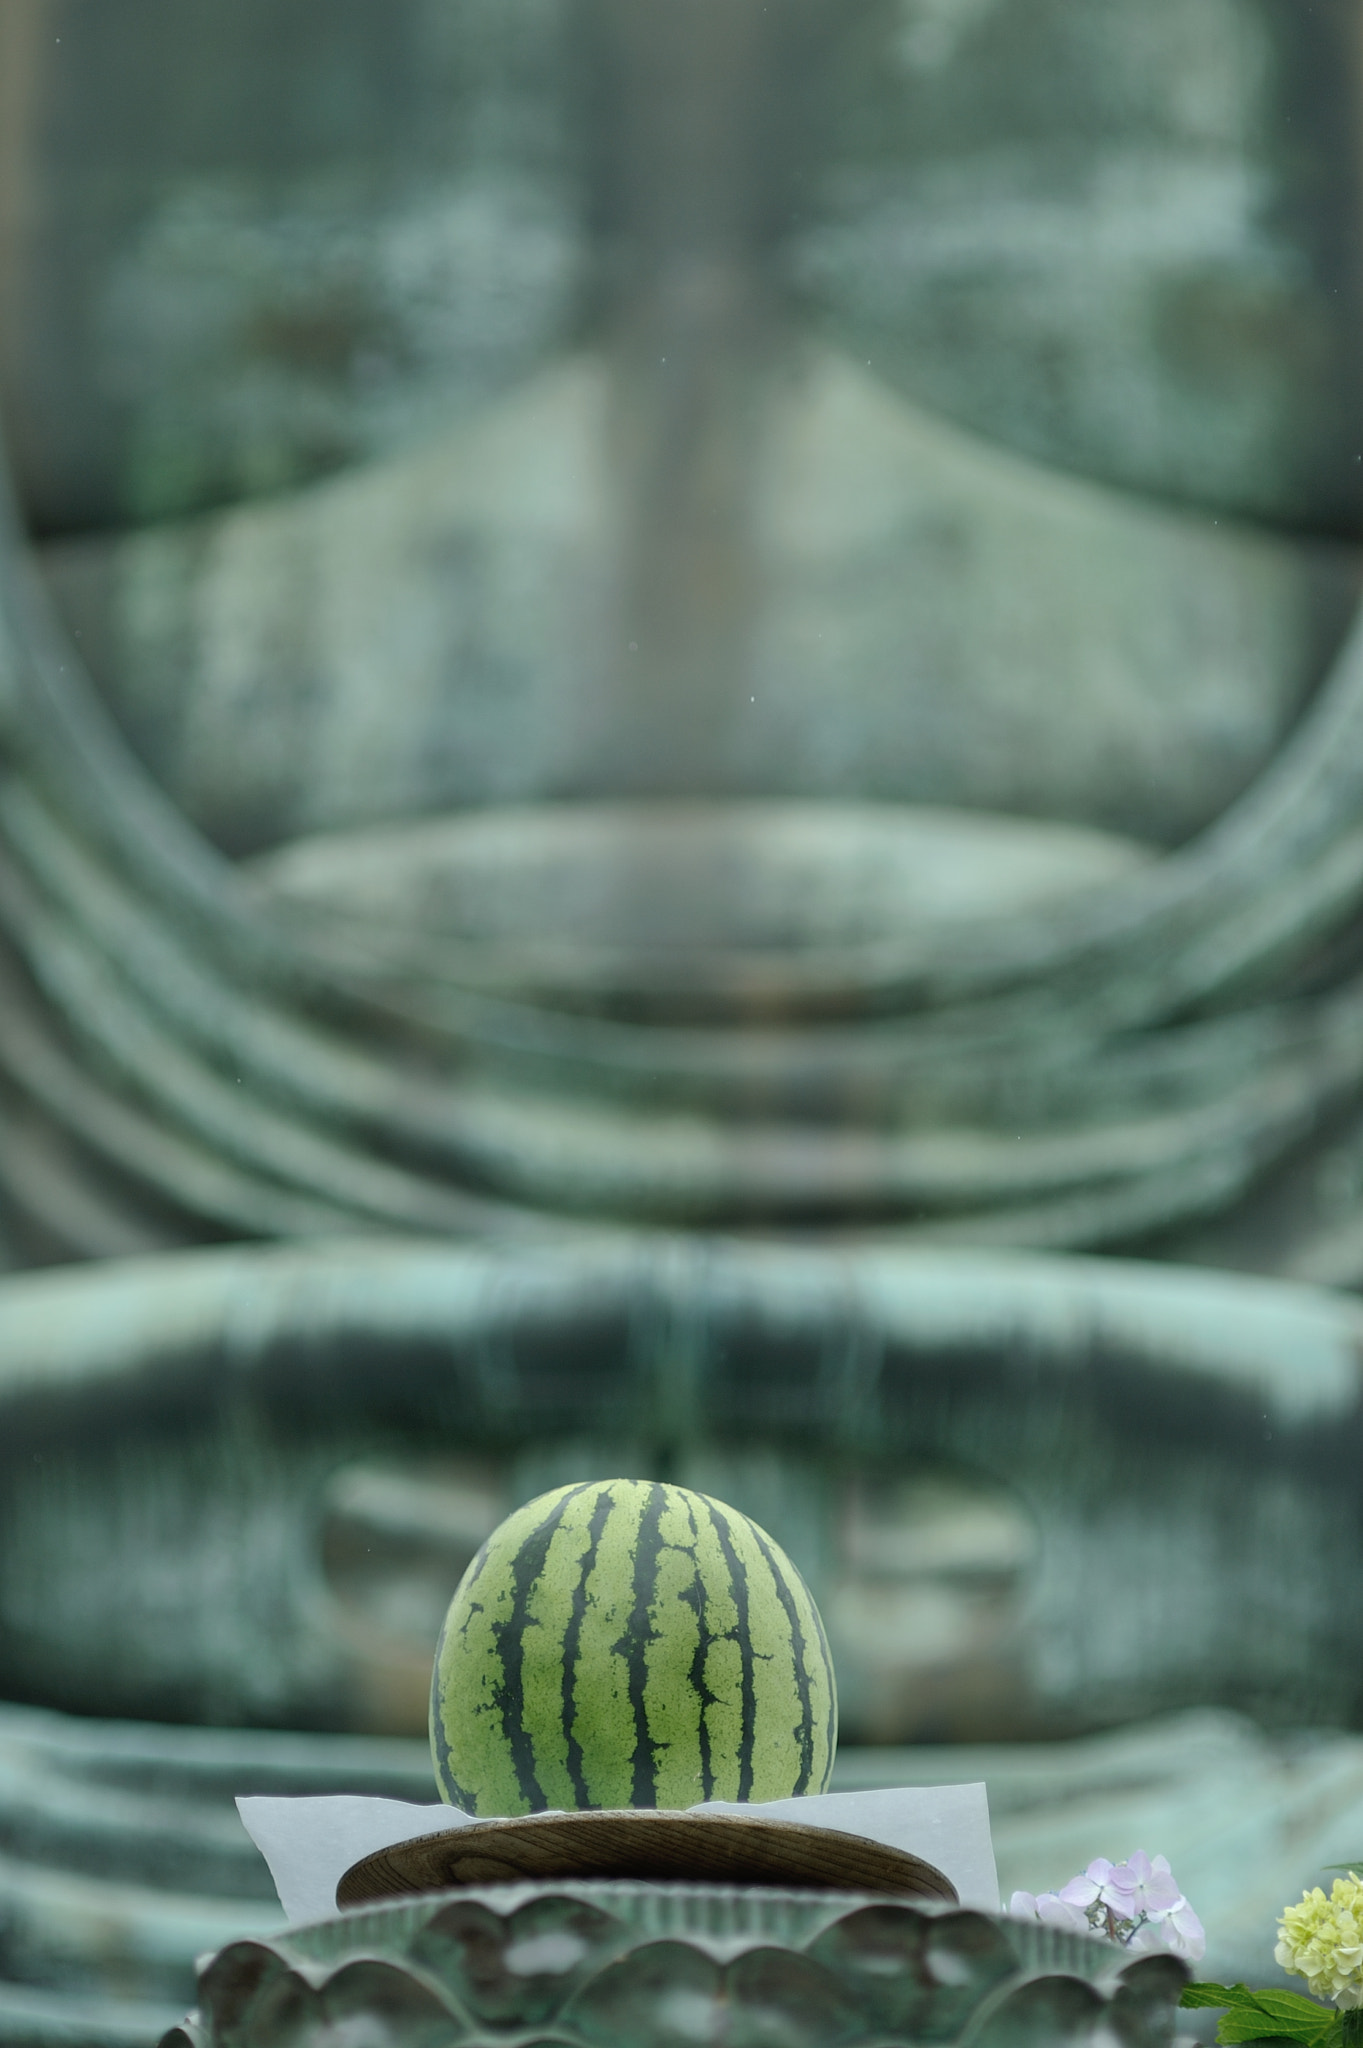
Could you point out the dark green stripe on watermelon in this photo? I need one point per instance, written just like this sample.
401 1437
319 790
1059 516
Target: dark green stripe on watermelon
801 1649
697 1598
630 1643
738 1581
572 1638
647 1551
514 1641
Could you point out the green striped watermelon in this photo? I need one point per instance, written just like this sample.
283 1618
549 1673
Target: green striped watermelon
628 1643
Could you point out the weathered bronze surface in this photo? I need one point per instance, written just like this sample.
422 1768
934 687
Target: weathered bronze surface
662 353
1028 1494
245 247
664 516
665 1966
1115 1067
121 1859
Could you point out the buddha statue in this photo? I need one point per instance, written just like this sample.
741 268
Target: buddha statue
733 517
934 404
732 619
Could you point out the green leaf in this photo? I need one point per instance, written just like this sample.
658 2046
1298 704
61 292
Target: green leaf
1267 2015
1244 2026
1215 1994
1241 2040
1291 2005
1275 2040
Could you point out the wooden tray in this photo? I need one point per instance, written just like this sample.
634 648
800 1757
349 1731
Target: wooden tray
700 1848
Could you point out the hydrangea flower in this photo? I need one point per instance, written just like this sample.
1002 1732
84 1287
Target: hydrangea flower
1137 1903
1322 1940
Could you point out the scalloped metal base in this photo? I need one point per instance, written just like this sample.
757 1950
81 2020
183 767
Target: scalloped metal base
621 1965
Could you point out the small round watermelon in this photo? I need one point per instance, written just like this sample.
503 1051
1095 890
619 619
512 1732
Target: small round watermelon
628 1643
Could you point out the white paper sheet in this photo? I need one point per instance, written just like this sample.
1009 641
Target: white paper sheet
309 1844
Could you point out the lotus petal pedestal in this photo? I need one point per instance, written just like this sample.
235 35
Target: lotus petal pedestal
622 1965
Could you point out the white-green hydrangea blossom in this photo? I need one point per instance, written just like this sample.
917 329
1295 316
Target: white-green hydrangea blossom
1322 1940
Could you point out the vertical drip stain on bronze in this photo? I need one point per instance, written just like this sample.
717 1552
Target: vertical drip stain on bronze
691 174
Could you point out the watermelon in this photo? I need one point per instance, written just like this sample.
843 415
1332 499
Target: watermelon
625 1643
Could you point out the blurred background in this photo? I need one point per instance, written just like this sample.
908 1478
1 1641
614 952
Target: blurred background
681 792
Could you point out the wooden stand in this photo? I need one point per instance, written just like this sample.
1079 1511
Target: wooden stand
698 1848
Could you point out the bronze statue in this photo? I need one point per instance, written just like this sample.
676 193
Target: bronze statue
691 616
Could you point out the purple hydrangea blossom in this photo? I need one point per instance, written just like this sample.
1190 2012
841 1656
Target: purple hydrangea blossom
1137 1903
